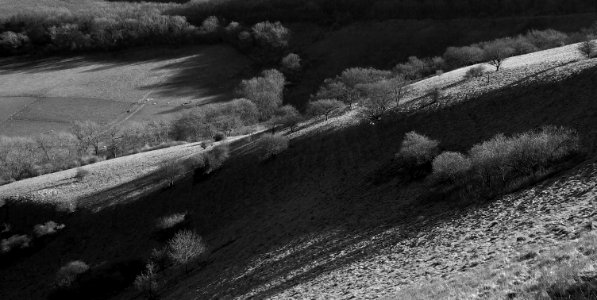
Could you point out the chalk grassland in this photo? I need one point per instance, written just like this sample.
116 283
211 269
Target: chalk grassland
160 83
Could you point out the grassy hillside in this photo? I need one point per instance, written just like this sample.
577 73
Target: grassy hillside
134 85
271 226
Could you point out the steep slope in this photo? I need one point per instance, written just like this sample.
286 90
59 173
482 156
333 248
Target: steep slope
312 223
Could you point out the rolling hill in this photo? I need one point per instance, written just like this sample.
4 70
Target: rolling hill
312 224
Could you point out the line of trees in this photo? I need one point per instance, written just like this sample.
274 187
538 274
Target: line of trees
64 31
333 11
493 52
86 142
377 91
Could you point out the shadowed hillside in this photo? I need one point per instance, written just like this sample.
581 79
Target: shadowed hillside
313 200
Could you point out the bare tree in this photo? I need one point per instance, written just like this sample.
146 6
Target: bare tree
286 116
496 52
587 48
89 134
186 247
381 96
325 107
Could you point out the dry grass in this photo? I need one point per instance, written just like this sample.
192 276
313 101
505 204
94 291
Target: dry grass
565 271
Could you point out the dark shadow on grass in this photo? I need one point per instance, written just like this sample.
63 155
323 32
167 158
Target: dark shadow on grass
209 72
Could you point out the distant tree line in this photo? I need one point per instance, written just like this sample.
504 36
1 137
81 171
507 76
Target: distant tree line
346 11
66 32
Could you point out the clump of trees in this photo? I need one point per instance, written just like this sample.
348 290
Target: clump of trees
345 87
134 25
416 68
266 91
503 163
206 121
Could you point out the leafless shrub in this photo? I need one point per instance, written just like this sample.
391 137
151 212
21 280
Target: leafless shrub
48 228
496 52
147 282
450 165
81 174
587 48
69 273
185 248
170 221
418 148
15 242
474 72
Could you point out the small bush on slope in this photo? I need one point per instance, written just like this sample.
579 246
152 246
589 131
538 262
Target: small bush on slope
450 165
418 148
147 282
185 248
48 228
412 162
14 242
81 174
69 273
474 72
272 145
170 221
